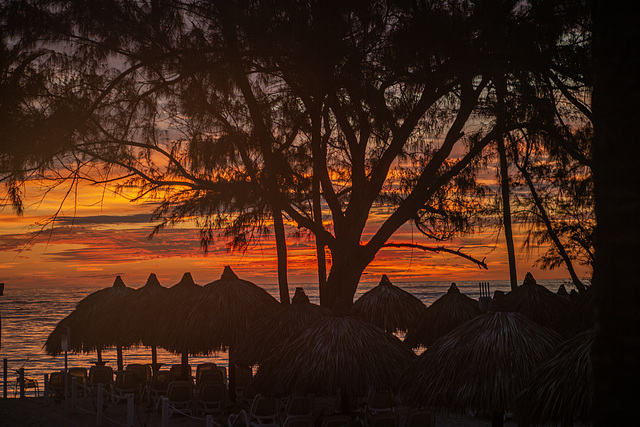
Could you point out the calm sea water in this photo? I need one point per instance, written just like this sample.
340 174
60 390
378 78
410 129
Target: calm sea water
30 314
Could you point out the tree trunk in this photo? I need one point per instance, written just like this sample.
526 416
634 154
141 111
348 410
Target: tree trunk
552 233
281 250
506 213
346 270
616 175
317 217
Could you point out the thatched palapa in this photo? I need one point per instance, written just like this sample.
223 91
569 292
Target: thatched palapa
271 332
140 317
218 316
388 306
560 390
334 353
92 322
534 301
445 314
481 365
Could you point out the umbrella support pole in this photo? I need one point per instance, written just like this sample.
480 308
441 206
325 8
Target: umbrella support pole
120 358
232 375
99 351
185 366
154 355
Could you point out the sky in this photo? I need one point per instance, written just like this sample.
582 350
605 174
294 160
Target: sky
103 235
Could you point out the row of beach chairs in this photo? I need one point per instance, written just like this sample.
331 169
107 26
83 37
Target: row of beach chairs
203 394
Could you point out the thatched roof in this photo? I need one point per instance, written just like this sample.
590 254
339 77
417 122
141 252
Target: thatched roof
271 332
169 310
334 353
139 317
388 306
480 365
218 316
534 301
91 323
560 390
579 316
445 314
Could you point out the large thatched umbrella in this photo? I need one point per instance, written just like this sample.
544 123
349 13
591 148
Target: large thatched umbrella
334 353
481 365
445 314
271 332
534 301
140 316
219 316
91 324
388 306
169 316
560 390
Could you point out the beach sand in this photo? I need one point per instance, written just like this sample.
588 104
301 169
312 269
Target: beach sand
35 411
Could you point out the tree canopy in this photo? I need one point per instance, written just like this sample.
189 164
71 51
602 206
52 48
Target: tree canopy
231 113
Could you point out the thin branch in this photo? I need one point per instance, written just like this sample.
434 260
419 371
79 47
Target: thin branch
438 249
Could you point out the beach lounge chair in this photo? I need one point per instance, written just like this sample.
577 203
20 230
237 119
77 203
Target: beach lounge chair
210 398
56 385
298 421
264 412
177 371
180 395
81 376
204 367
99 374
159 385
127 381
420 418
28 383
143 372
240 419
381 402
299 406
337 420
210 376
383 420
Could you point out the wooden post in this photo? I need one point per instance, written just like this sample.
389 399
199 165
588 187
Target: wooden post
164 422
74 385
21 379
131 408
46 388
4 373
100 405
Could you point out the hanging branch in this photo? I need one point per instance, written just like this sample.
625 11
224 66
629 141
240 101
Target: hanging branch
438 249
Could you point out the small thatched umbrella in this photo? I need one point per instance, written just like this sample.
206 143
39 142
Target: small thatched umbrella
445 314
334 353
271 332
171 313
388 306
140 317
481 365
534 301
92 322
579 315
219 316
560 390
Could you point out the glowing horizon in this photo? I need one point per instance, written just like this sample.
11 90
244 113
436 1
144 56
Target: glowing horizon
110 238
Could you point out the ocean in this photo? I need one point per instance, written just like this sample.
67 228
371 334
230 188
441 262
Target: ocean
29 315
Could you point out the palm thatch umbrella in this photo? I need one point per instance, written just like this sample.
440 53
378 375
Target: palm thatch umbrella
140 317
534 301
92 322
334 353
560 390
579 315
445 314
481 365
272 331
169 315
219 316
388 306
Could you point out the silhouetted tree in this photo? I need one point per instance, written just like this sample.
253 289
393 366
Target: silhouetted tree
236 113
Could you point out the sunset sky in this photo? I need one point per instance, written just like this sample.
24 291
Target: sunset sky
109 237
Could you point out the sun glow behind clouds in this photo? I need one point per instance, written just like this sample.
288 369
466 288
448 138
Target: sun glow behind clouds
91 243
